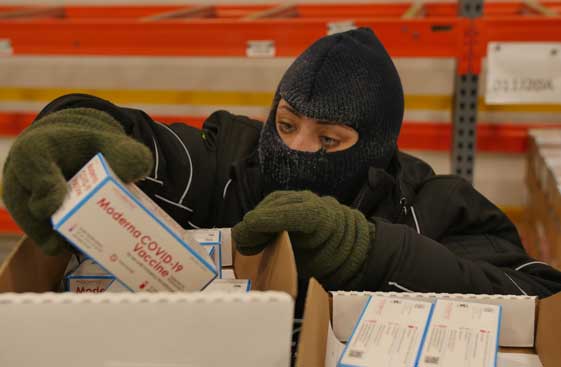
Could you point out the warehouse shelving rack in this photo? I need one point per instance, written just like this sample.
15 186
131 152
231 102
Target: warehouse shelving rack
418 29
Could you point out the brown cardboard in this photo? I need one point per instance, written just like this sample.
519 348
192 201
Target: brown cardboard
313 337
549 331
312 344
545 204
27 269
273 269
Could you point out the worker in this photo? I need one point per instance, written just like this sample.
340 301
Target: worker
325 167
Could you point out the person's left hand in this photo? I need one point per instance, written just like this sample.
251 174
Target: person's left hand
330 240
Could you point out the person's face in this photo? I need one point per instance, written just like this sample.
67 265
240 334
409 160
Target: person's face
309 135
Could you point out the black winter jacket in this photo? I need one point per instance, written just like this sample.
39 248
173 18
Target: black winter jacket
433 233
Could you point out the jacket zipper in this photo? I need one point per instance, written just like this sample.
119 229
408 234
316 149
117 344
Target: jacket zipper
403 212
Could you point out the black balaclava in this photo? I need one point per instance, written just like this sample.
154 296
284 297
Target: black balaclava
347 78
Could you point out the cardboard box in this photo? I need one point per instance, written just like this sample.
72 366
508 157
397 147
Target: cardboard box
544 199
226 246
136 329
27 269
315 348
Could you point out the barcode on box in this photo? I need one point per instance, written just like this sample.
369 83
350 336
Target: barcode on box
432 359
356 353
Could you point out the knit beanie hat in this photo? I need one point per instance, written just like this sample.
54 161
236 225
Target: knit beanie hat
347 78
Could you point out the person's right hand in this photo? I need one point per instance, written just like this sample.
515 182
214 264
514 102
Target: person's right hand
51 151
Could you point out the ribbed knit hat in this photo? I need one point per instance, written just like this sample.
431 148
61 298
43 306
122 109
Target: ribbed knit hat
347 78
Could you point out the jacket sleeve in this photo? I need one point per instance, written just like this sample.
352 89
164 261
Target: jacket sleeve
468 246
186 173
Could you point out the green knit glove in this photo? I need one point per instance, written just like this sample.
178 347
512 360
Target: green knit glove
51 151
330 240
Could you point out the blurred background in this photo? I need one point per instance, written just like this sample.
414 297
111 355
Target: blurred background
463 65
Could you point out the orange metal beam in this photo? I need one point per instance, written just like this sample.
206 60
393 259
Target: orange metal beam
346 10
418 37
31 12
203 11
116 11
285 11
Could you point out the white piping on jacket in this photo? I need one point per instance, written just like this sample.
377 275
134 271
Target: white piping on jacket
188 157
531 263
415 219
400 287
174 203
157 164
154 180
516 284
194 226
226 188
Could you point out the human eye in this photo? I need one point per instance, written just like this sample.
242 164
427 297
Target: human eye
328 142
286 127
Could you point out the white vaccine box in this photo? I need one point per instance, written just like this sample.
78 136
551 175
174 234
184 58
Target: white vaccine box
117 287
128 235
88 278
210 238
389 332
518 312
462 334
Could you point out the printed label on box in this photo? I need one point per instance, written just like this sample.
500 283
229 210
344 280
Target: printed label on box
88 277
123 233
205 236
210 237
88 285
389 333
462 334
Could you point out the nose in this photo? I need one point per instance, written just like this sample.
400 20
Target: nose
304 142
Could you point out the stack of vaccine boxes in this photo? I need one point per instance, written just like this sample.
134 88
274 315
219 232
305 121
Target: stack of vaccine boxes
129 243
88 277
396 332
84 275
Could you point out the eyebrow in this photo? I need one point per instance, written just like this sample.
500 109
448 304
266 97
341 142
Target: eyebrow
291 110
321 122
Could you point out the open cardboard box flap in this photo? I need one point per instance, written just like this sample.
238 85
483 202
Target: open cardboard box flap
317 317
28 269
274 269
